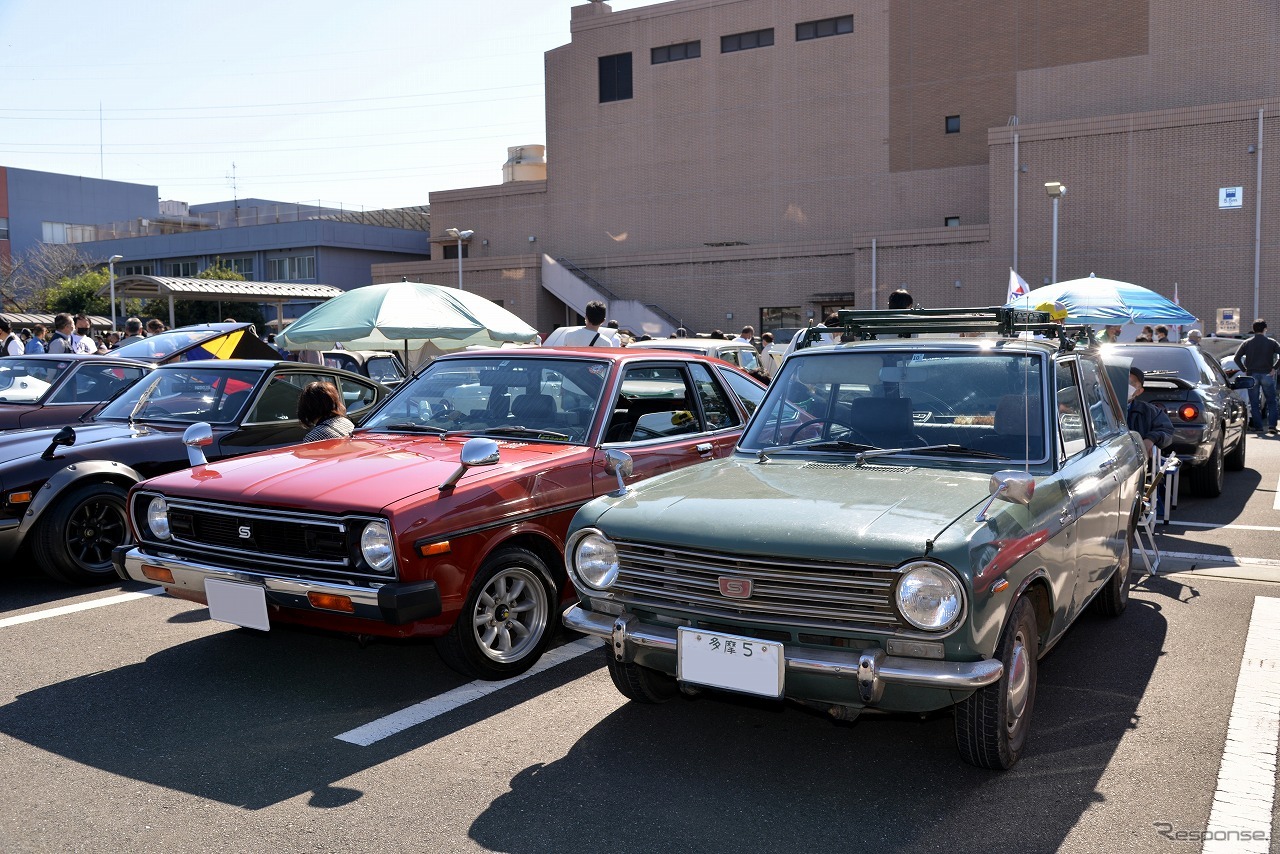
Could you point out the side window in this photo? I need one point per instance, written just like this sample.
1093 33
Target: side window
356 396
95 383
1070 411
279 400
748 392
655 403
749 360
717 409
384 369
1102 413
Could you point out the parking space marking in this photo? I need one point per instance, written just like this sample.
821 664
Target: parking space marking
402 720
1229 560
1216 525
82 606
1275 505
1240 820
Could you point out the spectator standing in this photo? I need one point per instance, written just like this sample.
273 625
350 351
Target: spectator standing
132 331
1193 337
1150 421
1257 357
63 328
37 343
1110 335
746 336
900 299
82 341
155 326
769 361
321 411
10 342
1162 335
593 334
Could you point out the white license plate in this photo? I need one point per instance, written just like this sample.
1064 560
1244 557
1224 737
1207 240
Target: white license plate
731 662
239 604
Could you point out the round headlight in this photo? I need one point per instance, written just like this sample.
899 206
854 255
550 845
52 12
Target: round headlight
376 547
158 518
596 561
930 596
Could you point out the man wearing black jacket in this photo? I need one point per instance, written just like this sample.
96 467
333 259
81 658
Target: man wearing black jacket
1150 421
1257 357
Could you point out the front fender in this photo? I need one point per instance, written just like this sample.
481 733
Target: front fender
65 478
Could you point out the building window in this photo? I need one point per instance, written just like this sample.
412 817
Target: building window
676 52
826 27
952 222
54 232
4 228
786 317
243 266
138 270
291 269
184 269
451 251
615 77
953 124
746 41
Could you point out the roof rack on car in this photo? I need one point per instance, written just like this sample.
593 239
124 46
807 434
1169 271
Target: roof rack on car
996 321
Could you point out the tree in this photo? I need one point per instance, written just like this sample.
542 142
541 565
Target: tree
25 277
77 295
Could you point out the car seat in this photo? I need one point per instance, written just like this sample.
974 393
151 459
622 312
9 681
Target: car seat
1018 424
883 421
534 410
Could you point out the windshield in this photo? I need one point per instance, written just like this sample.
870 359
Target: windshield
1161 359
155 347
29 380
961 403
552 399
185 395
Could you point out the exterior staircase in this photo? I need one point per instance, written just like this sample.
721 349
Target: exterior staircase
575 288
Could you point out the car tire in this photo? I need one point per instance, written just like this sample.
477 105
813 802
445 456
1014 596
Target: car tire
1235 459
991 724
507 620
1207 478
640 684
1113 598
74 539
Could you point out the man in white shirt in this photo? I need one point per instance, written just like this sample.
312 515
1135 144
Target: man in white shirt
591 335
746 336
12 345
82 340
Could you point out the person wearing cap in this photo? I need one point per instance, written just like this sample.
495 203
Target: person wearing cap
1148 420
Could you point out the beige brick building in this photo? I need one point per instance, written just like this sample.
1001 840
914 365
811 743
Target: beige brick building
753 161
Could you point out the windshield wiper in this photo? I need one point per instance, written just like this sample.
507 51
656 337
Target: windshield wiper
959 449
832 445
143 400
411 427
884 452
517 430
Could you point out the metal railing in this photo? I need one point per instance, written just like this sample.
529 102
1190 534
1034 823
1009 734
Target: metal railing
411 218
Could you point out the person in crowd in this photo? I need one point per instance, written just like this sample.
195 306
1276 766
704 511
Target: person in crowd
1142 339
1149 333
1162 335
831 321
900 299
717 334
593 334
1110 335
321 411
746 336
769 361
271 342
10 341
1194 336
132 331
1257 357
63 328
155 326
113 340
681 332
37 343
82 339
1149 420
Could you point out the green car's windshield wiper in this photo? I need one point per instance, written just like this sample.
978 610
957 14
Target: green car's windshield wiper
517 430
959 450
411 427
832 445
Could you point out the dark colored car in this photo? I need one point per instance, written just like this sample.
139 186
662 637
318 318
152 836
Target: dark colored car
199 342
378 365
39 391
64 489
1210 422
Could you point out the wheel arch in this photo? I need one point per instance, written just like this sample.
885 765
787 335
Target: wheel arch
1035 589
76 474
540 544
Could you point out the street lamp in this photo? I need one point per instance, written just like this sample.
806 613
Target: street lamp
111 265
1056 191
459 236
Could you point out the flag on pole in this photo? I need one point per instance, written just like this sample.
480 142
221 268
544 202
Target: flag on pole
1175 302
1017 286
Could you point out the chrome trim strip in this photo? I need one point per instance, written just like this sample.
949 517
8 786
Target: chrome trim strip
624 634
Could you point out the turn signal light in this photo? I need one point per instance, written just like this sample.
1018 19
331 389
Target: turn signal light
331 602
1188 412
429 549
157 573
19 497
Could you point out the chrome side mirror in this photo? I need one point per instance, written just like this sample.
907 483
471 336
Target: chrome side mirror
476 452
196 437
1017 487
618 463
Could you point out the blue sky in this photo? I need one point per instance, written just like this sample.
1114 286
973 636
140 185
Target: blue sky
371 104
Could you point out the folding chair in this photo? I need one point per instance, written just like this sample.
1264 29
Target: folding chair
1162 475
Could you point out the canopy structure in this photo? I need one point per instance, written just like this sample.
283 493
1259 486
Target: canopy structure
19 320
218 290
1107 302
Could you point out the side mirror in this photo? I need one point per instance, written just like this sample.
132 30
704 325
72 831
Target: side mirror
1016 487
66 436
476 452
1243 382
196 437
618 463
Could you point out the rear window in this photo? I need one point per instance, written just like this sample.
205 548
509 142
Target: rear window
1162 359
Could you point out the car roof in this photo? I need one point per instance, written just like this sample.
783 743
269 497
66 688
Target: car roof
103 358
603 354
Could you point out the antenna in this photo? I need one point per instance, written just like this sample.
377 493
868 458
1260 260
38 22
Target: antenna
235 197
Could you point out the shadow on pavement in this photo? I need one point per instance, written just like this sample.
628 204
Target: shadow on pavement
708 775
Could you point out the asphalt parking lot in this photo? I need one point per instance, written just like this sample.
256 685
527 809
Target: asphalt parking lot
131 722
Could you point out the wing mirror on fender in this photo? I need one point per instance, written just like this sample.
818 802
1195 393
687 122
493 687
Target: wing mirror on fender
621 464
476 452
65 436
1242 382
196 437
1017 487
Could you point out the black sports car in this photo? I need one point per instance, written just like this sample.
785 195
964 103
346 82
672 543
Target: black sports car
62 491
1210 423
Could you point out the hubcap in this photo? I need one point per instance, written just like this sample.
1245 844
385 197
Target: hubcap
96 527
511 615
1019 683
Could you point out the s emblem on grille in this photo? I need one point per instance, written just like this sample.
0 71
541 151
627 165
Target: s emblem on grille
735 588
245 532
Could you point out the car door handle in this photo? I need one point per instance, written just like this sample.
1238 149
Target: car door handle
1065 516
1107 466
703 447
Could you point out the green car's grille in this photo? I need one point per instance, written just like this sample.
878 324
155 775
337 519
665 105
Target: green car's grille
803 594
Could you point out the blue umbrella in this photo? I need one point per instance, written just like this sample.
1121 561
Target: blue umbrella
1106 302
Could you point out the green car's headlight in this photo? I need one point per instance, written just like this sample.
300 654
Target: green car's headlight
376 547
158 518
594 559
929 596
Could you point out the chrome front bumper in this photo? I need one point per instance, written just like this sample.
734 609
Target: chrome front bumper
396 603
873 669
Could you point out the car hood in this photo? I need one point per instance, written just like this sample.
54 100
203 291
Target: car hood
93 439
366 473
876 513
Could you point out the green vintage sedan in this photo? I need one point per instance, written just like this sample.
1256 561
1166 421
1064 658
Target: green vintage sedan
906 524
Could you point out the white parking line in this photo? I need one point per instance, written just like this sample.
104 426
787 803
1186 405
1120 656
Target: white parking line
1240 820
82 606
1215 525
422 712
1275 505
1226 560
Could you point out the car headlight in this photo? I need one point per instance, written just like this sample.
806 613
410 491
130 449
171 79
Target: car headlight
158 518
376 546
595 560
929 596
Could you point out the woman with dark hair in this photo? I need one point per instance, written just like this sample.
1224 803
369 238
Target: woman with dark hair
321 411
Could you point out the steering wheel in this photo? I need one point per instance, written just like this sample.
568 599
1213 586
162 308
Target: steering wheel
824 423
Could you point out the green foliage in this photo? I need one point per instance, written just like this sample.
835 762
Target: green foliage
76 294
220 270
